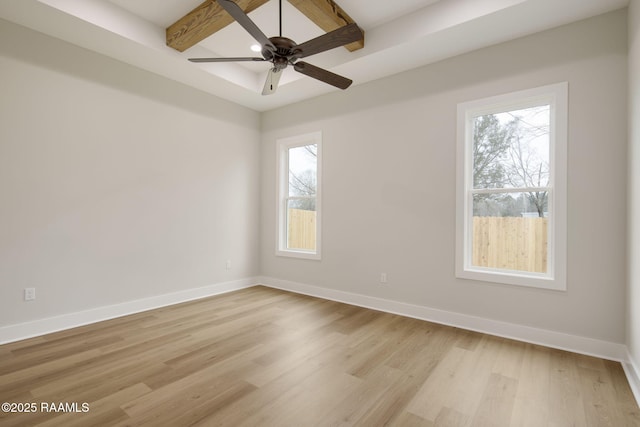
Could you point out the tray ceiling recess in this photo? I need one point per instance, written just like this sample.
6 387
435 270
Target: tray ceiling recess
278 50
401 35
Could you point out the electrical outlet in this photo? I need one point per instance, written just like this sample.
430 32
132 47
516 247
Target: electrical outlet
228 264
383 277
29 294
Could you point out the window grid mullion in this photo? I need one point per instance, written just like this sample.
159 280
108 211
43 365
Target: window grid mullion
509 190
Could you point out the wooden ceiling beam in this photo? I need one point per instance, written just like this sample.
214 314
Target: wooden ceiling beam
202 22
327 15
210 17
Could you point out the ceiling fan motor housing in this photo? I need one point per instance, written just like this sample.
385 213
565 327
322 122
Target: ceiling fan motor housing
285 51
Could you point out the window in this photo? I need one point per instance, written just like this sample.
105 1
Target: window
299 196
511 188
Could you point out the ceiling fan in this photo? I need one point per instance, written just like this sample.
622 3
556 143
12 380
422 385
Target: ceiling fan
281 51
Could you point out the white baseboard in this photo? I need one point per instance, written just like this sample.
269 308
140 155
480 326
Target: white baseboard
633 375
559 340
48 325
553 339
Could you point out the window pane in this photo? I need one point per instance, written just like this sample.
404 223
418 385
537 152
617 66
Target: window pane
299 204
510 231
512 188
530 204
301 224
303 170
511 149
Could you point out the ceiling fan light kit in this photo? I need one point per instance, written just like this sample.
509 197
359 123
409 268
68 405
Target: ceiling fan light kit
281 51
271 83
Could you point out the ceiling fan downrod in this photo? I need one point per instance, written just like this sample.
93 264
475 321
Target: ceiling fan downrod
280 15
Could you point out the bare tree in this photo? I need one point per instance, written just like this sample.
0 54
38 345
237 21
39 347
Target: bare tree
508 153
490 141
304 183
525 165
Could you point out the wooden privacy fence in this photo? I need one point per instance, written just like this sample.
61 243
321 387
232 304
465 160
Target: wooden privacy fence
511 243
301 229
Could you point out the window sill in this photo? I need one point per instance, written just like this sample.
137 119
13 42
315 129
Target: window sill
298 254
533 280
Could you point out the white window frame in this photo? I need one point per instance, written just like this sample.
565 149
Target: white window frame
556 96
283 145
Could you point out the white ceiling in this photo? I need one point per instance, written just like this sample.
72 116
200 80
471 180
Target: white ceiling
400 35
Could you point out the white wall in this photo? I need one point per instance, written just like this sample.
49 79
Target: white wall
389 181
633 304
116 184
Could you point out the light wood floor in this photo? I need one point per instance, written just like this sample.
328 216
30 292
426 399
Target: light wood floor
263 357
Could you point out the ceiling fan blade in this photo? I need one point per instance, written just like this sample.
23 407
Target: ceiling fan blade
225 59
271 84
322 75
336 38
243 19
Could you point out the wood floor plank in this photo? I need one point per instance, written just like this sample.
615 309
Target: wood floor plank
597 392
496 405
532 404
448 417
190 407
90 385
105 411
566 404
401 387
473 378
10 347
434 394
312 398
508 360
254 407
407 419
37 355
375 388
23 380
294 355
269 358
622 394
209 380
